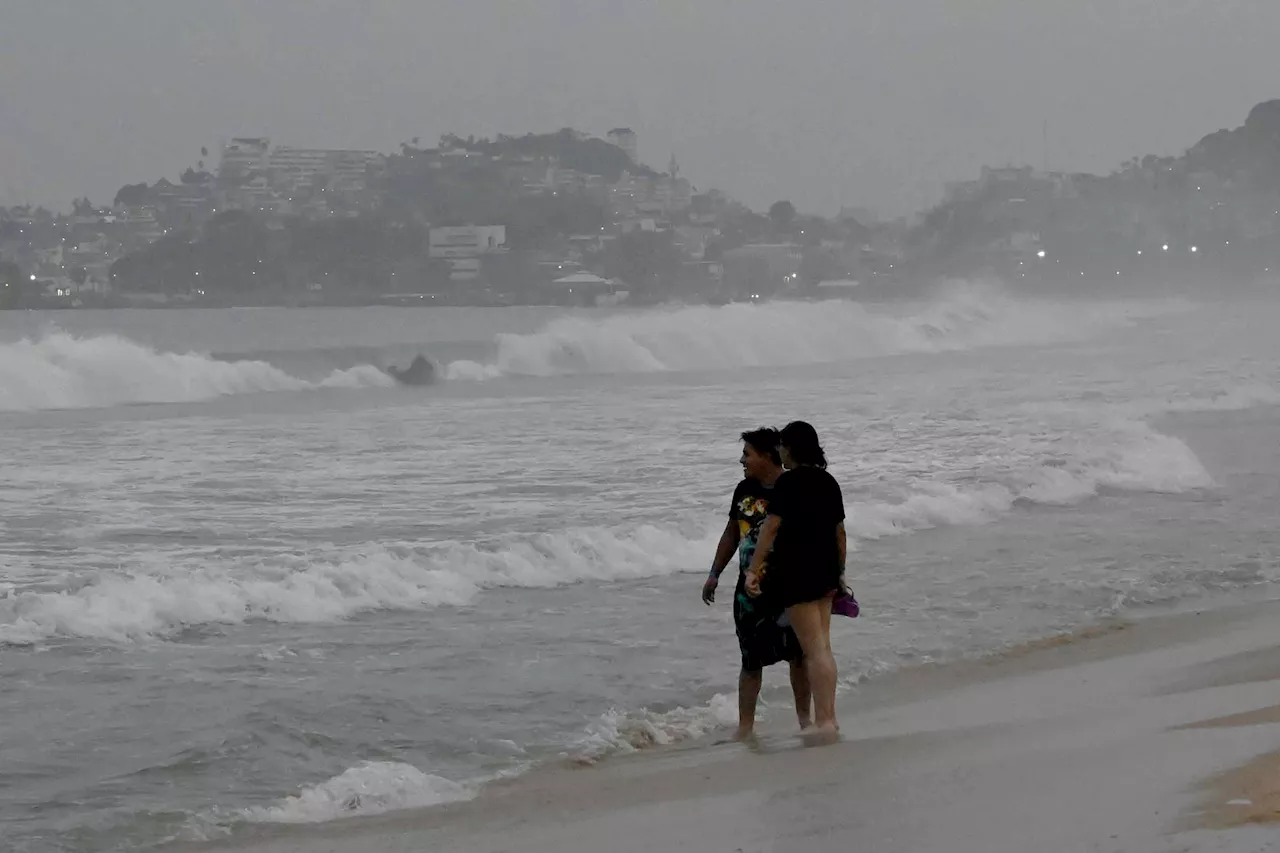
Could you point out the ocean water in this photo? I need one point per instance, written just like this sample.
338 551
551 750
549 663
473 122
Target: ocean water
246 579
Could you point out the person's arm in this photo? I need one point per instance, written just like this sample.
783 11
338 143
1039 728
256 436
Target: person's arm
724 553
841 546
841 540
764 545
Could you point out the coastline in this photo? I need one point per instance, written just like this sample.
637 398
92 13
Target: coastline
1137 736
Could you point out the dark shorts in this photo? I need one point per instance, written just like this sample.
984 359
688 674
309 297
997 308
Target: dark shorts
762 641
801 584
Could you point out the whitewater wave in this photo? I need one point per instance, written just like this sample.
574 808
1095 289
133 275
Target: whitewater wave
158 598
371 788
1247 396
621 732
378 787
1130 457
1232 398
617 731
734 336
63 371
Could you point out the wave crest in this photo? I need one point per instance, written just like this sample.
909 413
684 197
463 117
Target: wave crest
63 371
966 316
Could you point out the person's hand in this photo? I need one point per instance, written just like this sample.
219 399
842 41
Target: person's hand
752 583
709 590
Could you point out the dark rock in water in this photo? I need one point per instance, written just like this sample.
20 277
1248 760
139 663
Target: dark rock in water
419 372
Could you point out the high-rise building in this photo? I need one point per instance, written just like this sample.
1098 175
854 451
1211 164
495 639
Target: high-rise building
241 156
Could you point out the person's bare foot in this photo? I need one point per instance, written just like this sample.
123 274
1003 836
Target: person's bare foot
744 733
805 725
823 735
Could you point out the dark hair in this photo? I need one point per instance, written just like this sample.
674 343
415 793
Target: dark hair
765 440
801 441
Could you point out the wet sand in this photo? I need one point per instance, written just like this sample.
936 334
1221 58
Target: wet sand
1149 737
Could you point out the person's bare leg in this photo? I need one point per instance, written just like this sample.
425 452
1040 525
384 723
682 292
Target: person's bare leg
803 693
813 629
824 614
749 682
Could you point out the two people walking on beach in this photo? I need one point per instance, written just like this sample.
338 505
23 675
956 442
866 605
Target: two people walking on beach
786 524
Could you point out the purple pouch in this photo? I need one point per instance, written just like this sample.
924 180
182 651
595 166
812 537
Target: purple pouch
844 604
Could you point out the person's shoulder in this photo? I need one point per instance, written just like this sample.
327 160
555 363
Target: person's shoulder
745 486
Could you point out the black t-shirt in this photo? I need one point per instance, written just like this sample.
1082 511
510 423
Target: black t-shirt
809 503
749 508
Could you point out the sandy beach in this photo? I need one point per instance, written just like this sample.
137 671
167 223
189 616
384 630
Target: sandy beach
1159 735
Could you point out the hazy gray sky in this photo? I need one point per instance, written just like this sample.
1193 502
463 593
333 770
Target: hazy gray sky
826 102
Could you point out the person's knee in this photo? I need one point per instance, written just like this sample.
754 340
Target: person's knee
751 674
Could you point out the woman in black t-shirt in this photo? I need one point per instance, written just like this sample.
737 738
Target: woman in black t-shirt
803 542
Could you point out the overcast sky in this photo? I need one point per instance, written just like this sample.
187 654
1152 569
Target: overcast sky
825 102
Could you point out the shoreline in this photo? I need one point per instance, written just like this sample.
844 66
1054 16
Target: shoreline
1137 731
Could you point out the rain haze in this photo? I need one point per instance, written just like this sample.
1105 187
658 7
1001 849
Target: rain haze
872 103
533 425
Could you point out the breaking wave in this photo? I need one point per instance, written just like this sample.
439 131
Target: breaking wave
967 316
1132 457
159 598
63 371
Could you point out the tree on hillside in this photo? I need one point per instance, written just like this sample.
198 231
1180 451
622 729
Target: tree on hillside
132 195
782 214
10 274
535 220
643 259
16 289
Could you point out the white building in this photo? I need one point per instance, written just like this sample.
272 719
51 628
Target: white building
463 246
243 155
292 168
466 241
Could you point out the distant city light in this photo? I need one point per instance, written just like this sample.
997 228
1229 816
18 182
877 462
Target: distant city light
1139 251
1040 254
33 276
1165 247
1195 248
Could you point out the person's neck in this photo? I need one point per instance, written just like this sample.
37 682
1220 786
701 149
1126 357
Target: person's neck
772 477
